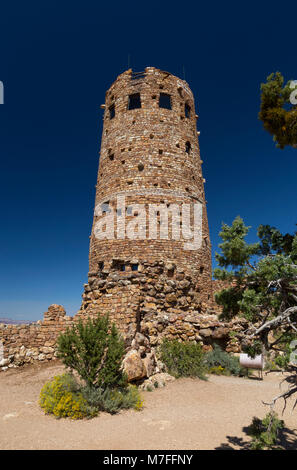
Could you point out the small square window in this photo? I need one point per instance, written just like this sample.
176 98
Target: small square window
101 265
123 267
134 101
111 111
165 101
134 267
187 110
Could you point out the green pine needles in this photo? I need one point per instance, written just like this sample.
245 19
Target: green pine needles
278 111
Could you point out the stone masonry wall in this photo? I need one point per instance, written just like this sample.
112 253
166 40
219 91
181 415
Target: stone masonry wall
34 342
153 306
150 155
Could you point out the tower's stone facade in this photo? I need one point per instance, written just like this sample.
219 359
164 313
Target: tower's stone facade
149 156
150 285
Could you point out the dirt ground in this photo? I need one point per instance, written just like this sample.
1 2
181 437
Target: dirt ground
186 414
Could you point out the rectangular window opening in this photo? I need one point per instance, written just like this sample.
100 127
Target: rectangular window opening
111 111
187 110
165 101
134 101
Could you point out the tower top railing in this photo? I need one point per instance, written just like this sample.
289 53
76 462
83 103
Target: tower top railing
138 75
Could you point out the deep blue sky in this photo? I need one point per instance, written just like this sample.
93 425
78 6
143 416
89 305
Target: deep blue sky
56 61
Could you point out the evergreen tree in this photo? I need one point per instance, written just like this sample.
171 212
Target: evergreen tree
278 111
263 281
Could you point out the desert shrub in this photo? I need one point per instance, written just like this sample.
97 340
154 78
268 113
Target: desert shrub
112 400
271 365
95 351
62 398
182 359
228 364
282 360
265 432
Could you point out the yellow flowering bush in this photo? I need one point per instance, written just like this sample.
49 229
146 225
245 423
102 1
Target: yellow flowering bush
218 370
61 398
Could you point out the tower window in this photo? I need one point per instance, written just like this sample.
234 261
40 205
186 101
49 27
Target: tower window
111 111
101 265
123 267
134 267
134 101
188 147
165 101
187 110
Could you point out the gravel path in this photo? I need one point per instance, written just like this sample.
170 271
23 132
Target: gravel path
186 414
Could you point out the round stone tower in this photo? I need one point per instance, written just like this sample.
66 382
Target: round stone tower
150 219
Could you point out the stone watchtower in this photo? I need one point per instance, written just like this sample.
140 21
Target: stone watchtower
149 171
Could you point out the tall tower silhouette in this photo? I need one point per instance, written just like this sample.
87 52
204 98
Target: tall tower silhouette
149 156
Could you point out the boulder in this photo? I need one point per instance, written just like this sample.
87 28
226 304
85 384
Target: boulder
220 332
133 366
156 381
149 363
205 332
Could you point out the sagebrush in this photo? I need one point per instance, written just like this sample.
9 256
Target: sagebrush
220 362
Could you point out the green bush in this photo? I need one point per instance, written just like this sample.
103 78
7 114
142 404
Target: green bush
218 358
265 432
182 359
62 398
95 351
112 400
282 360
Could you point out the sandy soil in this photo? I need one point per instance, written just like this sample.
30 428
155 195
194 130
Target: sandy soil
186 414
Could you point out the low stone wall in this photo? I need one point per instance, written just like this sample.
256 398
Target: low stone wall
33 342
155 302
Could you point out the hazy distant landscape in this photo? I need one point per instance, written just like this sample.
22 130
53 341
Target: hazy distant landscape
9 321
